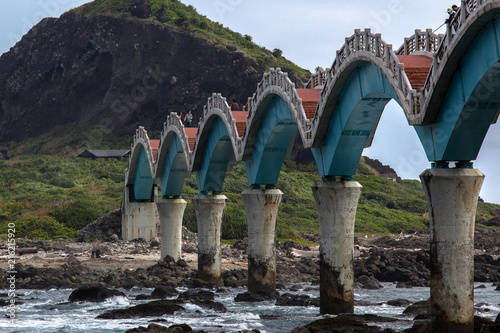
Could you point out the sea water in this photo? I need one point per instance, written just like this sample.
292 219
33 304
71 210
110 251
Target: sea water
49 311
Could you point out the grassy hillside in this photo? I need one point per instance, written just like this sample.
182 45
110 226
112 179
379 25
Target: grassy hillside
177 16
49 193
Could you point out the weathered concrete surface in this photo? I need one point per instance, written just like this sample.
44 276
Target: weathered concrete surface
452 199
139 219
261 208
337 203
171 212
209 210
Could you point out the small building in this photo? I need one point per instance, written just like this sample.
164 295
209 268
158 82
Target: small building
96 153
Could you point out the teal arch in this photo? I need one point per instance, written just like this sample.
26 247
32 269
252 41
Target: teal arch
217 153
471 102
274 138
173 168
354 120
142 179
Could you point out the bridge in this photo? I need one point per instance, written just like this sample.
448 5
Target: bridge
447 86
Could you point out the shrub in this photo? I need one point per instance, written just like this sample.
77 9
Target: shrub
234 222
277 53
39 227
78 214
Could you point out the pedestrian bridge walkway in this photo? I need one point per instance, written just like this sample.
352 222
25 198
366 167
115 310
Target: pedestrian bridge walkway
446 85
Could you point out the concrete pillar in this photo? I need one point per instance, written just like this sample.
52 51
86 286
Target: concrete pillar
452 199
171 212
261 208
337 203
139 219
209 209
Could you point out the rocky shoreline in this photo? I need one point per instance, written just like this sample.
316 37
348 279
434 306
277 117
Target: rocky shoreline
402 259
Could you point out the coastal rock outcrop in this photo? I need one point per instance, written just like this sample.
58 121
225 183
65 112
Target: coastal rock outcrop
116 72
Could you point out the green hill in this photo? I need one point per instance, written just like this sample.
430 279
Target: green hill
176 15
49 193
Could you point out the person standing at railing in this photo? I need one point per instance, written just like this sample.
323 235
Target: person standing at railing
451 12
235 106
188 119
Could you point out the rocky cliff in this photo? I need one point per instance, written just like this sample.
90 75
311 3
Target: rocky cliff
114 71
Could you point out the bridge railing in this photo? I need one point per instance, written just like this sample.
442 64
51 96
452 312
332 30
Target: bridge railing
373 44
467 7
216 104
317 79
420 41
140 137
276 78
173 120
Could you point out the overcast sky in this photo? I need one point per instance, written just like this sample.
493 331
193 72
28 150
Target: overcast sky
310 33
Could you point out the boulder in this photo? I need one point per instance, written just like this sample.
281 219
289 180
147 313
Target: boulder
254 297
155 328
346 323
211 305
417 308
197 295
93 293
164 291
297 300
151 309
399 302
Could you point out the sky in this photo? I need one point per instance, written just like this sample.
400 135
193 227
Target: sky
309 33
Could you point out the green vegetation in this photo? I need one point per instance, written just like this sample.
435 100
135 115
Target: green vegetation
53 196
177 16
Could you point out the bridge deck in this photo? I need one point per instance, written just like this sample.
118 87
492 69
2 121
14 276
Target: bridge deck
241 120
191 134
416 68
154 147
310 98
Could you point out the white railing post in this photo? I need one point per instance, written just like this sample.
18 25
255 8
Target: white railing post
416 44
405 46
347 49
356 39
388 55
401 68
428 33
365 39
378 36
464 10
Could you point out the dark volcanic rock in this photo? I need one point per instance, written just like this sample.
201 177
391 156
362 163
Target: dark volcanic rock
418 308
105 226
141 9
210 305
93 294
155 328
164 291
297 300
253 297
115 72
346 323
151 309
399 302
197 295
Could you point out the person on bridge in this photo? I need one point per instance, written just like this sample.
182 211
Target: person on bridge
451 12
188 119
181 116
235 106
